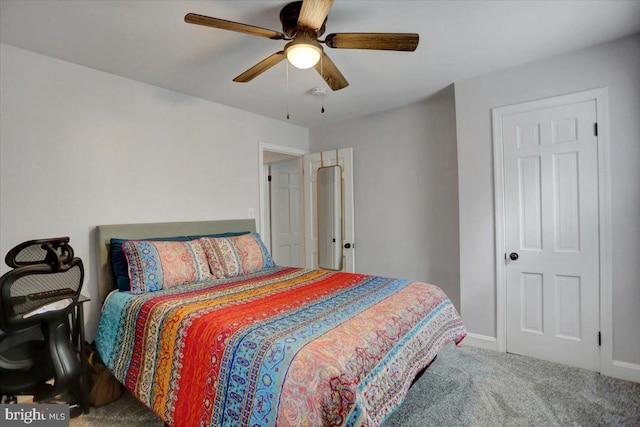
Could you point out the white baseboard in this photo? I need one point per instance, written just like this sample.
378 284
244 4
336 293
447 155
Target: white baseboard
625 371
618 369
480 341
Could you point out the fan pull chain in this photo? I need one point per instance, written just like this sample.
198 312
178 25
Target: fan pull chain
322 76
287 89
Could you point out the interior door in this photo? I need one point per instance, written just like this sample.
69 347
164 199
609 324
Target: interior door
551 234
312 162
285 213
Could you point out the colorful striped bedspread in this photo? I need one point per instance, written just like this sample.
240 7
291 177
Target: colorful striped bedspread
285 346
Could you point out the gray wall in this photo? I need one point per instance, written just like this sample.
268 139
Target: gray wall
405 185
615 65
79 148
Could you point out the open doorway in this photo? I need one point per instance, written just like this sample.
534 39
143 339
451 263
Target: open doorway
281 203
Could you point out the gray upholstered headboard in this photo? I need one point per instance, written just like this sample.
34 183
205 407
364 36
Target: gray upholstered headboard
104 233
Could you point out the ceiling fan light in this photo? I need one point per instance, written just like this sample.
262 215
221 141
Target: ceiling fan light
303 55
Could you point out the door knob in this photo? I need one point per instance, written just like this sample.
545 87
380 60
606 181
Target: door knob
347 245
514 256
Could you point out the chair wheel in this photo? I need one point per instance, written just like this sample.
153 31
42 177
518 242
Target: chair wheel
8 400
74 410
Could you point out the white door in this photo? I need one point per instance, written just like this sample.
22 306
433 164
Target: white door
551 233
285 214
344 158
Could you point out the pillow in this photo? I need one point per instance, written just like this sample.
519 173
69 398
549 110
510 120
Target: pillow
154 265
235 256
119 260
229 234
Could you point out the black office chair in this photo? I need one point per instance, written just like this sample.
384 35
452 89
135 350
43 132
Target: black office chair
36 299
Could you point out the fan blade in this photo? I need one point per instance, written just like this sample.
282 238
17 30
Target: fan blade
313 13
330 73
192 18
260 67
376 41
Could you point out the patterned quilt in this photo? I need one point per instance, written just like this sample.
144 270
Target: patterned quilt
285 346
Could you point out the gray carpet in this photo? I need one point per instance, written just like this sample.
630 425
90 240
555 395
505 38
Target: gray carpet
473 387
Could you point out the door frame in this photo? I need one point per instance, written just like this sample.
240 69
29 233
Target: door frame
601 97
282 149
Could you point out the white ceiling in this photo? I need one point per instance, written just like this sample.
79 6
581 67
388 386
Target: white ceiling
148 41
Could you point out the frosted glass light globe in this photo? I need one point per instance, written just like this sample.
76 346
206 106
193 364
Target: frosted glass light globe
302 55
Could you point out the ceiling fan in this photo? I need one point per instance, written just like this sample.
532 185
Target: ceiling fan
303 22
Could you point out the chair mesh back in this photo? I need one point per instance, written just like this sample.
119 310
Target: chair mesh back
27 291
50 251
31 254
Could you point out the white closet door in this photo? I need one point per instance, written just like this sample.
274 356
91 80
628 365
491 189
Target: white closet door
551 234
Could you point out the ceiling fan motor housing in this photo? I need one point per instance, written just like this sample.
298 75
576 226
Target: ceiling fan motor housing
289 19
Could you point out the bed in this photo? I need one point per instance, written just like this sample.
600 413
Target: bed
276 346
